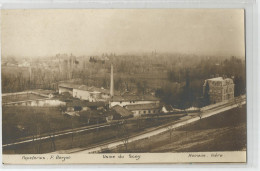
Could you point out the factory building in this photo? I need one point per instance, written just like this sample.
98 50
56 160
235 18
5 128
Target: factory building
144 109
125 100
91 94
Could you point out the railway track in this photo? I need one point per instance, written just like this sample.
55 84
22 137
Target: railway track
88 128
151 132
61 133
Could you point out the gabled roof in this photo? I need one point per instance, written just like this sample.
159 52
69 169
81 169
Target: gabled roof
221 79
85 104
134 98
84 87
69 85
92 89
122 111
41 91
168 107
216 79
143 106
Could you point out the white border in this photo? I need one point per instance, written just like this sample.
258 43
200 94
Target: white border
252 62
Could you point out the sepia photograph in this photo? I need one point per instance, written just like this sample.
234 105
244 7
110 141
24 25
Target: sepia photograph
123 86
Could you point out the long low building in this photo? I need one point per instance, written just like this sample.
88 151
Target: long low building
83 92
122 112
83 105
143 109
133 100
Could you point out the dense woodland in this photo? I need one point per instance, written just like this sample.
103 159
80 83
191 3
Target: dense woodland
175 78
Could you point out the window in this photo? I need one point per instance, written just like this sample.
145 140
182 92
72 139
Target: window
149 111
144 112
120 102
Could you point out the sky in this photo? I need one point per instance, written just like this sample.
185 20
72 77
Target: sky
35 33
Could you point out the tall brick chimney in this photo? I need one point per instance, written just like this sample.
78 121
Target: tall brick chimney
112 82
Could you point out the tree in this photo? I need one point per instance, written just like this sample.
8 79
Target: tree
170 129
72 130
52 135
141 87
200 114
239 86
206 97
123 133
139 122
172 76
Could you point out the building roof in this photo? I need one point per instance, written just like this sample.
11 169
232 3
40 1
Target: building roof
122 111
143 106
92 89
134 98
168 107
192 108
85 104
41 91
216 79
84 88
69 85
219 81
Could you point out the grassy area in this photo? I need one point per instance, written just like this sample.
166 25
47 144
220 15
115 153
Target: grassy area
21 97
88 138
222 132
23 121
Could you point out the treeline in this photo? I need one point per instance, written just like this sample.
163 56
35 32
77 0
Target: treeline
176 78
191 80
21 81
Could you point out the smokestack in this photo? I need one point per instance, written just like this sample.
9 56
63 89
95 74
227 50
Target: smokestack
59 67
30 73
30 70
68 71
112 82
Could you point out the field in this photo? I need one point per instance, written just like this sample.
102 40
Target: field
85 139
20 97
222 132
23 121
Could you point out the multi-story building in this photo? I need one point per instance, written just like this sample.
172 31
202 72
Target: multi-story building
219 89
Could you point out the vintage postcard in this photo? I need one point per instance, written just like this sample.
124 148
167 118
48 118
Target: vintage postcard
84 86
